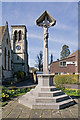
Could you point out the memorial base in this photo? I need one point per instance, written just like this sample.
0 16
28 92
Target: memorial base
45 95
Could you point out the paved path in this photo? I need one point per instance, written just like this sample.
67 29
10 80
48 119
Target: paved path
17 110
24 84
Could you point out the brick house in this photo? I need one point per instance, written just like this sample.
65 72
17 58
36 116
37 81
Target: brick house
69 65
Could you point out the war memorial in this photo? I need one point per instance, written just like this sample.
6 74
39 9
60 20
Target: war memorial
45 95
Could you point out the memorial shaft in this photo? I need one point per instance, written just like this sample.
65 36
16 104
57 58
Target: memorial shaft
45 54
45 21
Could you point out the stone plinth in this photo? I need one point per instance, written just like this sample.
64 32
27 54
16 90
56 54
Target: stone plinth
46 95
45 80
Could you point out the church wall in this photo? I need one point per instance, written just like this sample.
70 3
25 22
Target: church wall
20 59
18 67
6 45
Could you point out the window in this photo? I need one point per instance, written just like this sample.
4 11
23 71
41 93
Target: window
7 41
15 35
56 73
20 35
62 64
5 58
8 59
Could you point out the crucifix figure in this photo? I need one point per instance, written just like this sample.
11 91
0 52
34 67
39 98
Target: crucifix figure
45 21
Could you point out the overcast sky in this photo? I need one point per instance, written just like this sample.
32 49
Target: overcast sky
64 32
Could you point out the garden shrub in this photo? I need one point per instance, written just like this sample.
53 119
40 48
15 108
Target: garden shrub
8 93
71 92
20 74
65 79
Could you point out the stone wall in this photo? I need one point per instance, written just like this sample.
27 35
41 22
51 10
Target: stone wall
6 46
18 67
20 56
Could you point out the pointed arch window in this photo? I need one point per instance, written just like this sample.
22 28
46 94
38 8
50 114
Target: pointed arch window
5 58
8 59
19 34
7 40
15 35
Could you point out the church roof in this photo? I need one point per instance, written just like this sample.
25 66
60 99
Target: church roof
49 18
2 28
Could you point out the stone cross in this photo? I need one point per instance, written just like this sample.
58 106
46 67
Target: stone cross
45 21
45 94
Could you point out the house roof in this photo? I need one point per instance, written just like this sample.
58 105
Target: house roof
73 54
70 56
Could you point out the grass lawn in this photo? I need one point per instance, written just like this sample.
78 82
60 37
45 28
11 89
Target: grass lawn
3 104
19 94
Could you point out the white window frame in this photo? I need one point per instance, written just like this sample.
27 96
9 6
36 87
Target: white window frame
62 64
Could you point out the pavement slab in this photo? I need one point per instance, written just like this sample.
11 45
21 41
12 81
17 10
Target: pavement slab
6 113
56 114
66 114
46 113
74 112
35 113
25 113
14 114
18 111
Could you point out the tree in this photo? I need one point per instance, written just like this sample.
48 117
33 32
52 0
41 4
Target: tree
51 59
65 51
39 61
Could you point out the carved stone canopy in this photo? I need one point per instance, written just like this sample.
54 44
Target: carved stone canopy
50 19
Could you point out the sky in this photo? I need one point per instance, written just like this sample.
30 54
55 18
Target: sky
64 32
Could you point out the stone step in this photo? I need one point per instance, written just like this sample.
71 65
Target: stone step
51 88
53 105
62 98
45 106
50 94
52 99
66 103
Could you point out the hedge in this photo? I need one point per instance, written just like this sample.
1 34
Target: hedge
65 79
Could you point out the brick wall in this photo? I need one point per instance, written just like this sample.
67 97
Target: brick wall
70 68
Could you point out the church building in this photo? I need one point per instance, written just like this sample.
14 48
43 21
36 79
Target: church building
14 51
5 53
19 46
